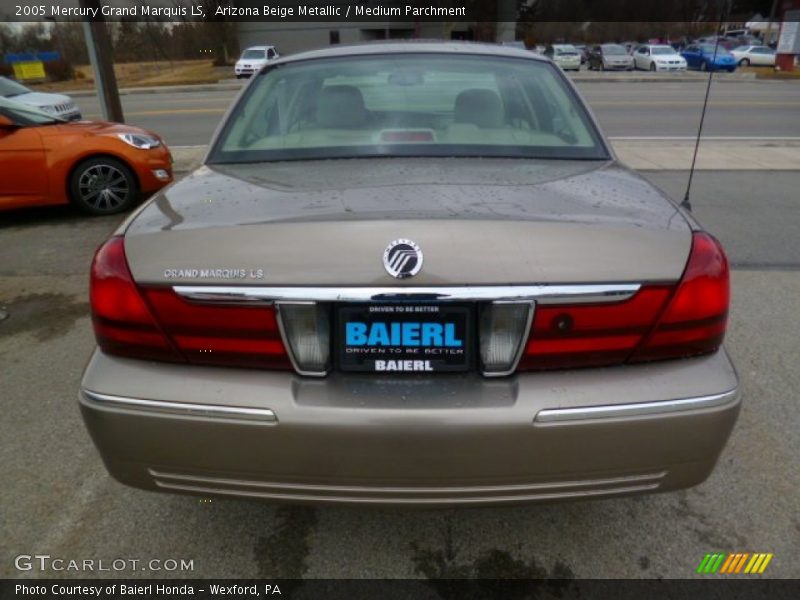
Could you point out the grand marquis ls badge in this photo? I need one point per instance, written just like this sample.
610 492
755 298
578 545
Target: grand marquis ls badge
402 258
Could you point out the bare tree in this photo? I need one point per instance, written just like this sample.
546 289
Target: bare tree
218 32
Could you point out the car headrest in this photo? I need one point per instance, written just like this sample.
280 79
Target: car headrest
479 107
341 107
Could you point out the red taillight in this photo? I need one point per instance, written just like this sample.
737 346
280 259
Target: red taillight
584 335
123 323
240 336
659 322
695 320
155 323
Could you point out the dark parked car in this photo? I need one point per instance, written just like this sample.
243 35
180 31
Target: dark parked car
583 50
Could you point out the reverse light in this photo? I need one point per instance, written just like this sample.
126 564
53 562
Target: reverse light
306 332
503 326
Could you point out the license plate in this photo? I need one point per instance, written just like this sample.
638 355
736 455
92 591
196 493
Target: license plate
404 338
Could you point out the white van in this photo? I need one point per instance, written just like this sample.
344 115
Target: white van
253 58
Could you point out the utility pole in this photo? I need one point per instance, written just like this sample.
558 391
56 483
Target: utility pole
768 33
99 44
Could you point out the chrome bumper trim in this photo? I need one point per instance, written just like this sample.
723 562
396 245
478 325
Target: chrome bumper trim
489 500
411 489
430 496
542 294
185 409
590 413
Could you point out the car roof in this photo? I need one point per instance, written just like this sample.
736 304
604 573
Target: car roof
414 47
258 48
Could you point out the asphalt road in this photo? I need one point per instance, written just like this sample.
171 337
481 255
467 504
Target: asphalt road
736 108
57 499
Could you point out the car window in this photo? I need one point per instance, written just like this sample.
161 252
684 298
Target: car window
408 105
720 50
662 50
643 51
270 53
566 50
10 88
613 49
253 54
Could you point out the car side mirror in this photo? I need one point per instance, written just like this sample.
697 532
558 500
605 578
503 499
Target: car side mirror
6 123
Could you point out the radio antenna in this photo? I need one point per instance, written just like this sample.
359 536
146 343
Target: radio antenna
723 19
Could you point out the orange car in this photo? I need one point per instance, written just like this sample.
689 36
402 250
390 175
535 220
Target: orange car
101 168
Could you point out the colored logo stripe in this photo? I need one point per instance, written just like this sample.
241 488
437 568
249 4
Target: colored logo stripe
711 562
738 562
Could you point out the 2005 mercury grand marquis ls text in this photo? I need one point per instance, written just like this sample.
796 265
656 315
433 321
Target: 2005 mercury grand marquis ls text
410 274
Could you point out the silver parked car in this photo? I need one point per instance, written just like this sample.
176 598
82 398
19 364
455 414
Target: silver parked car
610 57
59 105
565 56
410 274
762 56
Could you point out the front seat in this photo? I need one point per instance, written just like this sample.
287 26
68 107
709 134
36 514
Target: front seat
341 107
479 107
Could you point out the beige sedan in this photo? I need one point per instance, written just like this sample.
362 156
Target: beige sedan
410 274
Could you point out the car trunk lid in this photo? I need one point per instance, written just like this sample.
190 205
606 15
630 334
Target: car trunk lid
477 222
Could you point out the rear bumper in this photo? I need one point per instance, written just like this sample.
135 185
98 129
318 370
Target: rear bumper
410 441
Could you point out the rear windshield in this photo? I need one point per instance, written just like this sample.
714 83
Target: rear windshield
408 105
613 49
709 49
